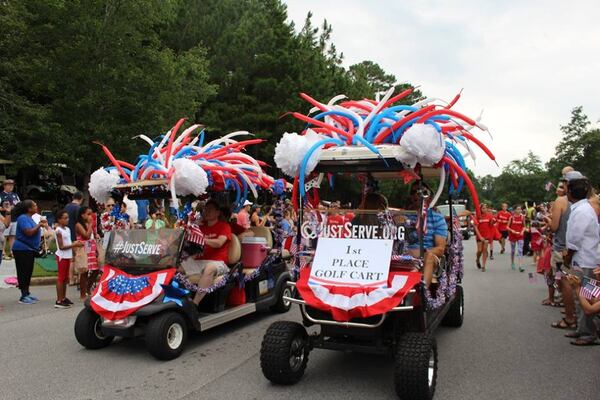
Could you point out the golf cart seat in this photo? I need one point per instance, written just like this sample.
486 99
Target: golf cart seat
235 250
263 231
234 255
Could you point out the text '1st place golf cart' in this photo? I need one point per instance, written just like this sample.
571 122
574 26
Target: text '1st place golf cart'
146 288
381 277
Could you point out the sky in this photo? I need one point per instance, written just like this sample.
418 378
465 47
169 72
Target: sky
526 64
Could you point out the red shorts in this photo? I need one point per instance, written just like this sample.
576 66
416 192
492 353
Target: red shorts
63 269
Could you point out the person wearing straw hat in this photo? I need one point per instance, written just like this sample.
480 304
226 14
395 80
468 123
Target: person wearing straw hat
9 199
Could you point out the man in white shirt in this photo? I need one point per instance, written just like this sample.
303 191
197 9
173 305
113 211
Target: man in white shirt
583 239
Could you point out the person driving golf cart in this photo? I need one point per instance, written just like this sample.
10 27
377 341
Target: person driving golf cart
435 235
203 269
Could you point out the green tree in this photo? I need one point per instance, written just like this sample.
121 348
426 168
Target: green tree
367 78
569 150
93 70
520 181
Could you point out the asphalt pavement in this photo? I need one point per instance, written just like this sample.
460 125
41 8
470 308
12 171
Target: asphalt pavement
505 350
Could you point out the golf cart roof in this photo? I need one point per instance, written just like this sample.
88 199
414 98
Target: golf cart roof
145 183
356 159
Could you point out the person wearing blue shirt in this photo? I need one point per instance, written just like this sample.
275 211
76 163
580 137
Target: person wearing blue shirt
73 210
435 236
26 245
142 211
286 225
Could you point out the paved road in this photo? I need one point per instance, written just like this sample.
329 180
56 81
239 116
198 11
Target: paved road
505 350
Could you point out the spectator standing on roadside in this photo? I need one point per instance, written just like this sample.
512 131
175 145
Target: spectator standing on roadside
287 224
125 217
64 255
85 234
583 239
142 211
4 222
9 199
107 221
255 218
557 223
157 219
529 216
73 210
243 216
26 245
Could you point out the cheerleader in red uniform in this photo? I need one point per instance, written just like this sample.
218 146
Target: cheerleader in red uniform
484 232
516 230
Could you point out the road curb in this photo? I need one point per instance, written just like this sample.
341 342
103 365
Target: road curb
43 281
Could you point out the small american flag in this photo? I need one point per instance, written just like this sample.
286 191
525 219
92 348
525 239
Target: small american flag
590 288
195 235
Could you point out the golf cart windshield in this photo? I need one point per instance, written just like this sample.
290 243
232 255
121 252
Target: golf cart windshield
457 209
144 248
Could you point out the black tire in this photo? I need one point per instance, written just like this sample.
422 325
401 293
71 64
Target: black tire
166 335
283 306
284 352
416 355
88 330
455 315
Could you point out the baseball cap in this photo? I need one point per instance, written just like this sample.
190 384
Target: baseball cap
574 175
8 182
247 203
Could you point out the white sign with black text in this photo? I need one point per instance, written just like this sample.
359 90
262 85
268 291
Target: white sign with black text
352 262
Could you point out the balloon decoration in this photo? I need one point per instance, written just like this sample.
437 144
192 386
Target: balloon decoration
102 182
427 133
190 166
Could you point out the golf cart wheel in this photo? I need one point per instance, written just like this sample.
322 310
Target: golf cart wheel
284 352
166 335
454 316
282 305
88 330
415 370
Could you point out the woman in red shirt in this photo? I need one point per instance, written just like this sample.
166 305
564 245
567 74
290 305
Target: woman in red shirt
516 230
485 232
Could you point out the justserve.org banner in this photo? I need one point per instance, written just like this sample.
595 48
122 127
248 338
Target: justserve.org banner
144 248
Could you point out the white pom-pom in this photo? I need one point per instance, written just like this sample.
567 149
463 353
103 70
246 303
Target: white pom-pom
189 177
405 157
101 183
425 143
292 148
